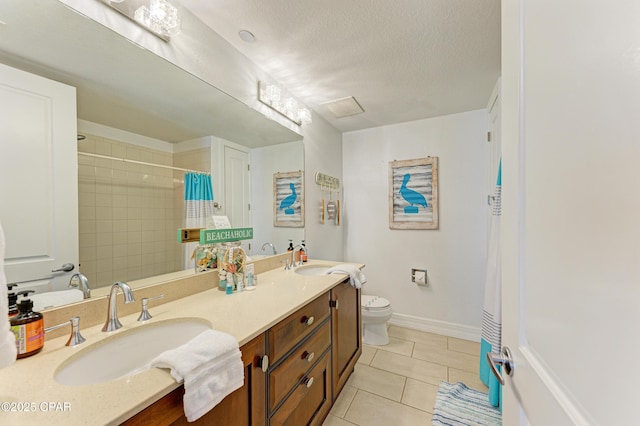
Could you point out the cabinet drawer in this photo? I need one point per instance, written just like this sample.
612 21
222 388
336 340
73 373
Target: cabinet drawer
288 332
297 363
309 403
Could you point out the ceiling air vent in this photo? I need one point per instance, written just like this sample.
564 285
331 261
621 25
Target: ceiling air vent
344 107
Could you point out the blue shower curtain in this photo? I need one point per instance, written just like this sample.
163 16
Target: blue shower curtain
198 206
492 312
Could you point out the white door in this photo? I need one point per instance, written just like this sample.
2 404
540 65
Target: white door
39 203
571 211
237 188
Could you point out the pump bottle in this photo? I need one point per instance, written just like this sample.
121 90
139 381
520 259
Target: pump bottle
28 327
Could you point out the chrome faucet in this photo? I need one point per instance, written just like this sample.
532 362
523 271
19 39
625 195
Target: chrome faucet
293 262
270 245
112 322
83 284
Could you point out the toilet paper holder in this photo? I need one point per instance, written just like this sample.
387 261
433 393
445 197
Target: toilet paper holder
419 276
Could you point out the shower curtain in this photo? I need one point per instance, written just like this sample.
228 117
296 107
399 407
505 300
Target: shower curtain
198 206
492 312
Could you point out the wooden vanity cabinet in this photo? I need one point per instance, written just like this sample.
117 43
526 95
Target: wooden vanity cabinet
299 379
311 354
243 407
346 333
310 401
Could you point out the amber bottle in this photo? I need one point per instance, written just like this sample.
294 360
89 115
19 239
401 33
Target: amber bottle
28 327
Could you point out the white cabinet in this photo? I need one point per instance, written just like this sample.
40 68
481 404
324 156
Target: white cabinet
38 176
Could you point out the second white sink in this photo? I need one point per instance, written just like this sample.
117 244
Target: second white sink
128 352
312 269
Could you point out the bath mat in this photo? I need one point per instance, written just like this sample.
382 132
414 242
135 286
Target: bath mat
457 405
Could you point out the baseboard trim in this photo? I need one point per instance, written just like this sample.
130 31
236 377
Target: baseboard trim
439 327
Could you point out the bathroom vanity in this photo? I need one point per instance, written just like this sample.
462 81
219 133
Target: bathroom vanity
294 371
300 337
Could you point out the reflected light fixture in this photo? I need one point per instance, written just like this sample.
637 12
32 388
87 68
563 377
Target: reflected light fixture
158 16
278 99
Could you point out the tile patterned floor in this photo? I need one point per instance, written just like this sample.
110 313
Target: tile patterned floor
397 384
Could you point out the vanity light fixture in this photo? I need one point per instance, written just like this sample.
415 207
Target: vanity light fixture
277 98
158 16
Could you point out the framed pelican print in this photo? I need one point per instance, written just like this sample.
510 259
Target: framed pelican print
413 194
288 199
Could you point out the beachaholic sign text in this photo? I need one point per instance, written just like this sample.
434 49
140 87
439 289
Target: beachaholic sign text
214 236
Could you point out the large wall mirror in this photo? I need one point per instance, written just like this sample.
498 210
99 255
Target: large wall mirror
135 105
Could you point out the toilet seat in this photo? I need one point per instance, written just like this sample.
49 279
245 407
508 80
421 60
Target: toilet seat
374 303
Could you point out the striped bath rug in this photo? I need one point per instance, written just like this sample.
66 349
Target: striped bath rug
457 405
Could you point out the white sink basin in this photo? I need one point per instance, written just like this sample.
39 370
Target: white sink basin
127 353
312 269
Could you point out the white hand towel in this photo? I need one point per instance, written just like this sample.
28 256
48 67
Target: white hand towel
210 365
356 277
7 338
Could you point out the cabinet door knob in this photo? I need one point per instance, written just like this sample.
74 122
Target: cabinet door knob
334 304
308 382
307 320
308 356
265 363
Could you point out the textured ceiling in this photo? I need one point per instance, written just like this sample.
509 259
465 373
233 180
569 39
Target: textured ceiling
402 60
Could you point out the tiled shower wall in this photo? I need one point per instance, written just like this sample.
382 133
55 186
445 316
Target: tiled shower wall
128 213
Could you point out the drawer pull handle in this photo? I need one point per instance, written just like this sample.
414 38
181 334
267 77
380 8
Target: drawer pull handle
308 356
265 363
307 320
308 382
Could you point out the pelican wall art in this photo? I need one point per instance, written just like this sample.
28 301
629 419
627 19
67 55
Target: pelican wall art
288 199
413 194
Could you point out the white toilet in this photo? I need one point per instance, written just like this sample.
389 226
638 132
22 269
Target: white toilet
376 311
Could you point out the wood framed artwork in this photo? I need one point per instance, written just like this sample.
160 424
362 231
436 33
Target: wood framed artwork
413 194
288 199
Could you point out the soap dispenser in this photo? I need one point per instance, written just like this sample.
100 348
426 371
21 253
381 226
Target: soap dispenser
303 254
290 248
13 298
28 327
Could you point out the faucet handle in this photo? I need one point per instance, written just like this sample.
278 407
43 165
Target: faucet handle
286 264
75 338
145 315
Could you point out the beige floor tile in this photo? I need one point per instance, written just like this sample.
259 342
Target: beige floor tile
418 336
472 380
410 367
377 381
341 405
335 421
458 360
398 346
367 354
466 346
372 410
420 395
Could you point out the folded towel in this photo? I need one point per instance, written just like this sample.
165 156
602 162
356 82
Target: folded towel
211 367
356 277
7 338
51 299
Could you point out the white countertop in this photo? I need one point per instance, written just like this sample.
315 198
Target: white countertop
29 385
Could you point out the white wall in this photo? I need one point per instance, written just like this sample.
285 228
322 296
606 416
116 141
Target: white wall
322 153
455 254
286 157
